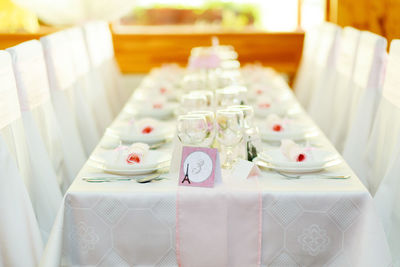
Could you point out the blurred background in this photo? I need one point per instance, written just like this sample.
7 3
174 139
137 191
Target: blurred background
147 33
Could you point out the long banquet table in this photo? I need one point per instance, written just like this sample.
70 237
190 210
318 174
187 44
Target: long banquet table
311 221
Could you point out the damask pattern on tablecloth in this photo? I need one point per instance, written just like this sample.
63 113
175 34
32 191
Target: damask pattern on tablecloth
114 230
105 237
311 236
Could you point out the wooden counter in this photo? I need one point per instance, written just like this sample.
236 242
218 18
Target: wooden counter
138 49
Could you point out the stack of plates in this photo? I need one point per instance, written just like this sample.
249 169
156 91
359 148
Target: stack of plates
296 131
275 160
155 160
286 108
162 133
166 111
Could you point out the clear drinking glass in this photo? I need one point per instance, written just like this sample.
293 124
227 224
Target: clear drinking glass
209 96
248 114
210 119
192 129
229 133
191 102
227 97
251 135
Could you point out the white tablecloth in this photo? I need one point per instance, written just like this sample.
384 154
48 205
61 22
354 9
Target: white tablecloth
305 222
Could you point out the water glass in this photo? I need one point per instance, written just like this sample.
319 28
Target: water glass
192 129
210 119
227 97
229 133
191 102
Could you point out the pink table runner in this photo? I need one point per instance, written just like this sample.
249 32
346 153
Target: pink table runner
219 226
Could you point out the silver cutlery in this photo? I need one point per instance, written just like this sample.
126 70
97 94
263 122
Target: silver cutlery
317 175
139 179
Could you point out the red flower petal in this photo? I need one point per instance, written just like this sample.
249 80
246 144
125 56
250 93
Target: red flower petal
277 128
264 105
301 157
147 130
157 105
133 158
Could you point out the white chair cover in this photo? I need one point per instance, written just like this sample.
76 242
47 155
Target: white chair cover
101 53
67 102
325 75
303 82
34 99
386 128
337 111
387 201
84 114
20 241
366 94
93 90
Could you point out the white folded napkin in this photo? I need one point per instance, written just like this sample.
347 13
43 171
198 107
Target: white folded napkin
276 123
147 126
265 102
133 154
294 152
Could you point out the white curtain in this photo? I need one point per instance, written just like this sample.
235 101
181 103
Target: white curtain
72 12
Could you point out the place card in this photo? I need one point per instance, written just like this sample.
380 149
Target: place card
244 169
200 166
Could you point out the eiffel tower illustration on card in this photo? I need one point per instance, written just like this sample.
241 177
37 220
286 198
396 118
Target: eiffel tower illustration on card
200 167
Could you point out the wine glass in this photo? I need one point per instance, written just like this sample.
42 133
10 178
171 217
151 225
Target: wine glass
210 119
209 96
192 129
251 135
192 101
248 114
227 97
229 133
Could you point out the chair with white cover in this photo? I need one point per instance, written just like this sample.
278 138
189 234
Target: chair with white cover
303 81
387 202
35 104
366 94
20 240
337 111
385 132
73 113
101 53
325 75
86 79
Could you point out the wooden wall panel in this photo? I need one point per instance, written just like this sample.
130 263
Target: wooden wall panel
378 16
139 51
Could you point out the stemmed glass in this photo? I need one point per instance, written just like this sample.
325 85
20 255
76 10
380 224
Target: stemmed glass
192 129
229 133
250 131
210 119
190 102
227 97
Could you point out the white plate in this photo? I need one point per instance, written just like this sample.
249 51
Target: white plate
263 164
319 159
296 132
154 160
163 132
147 111
289 108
